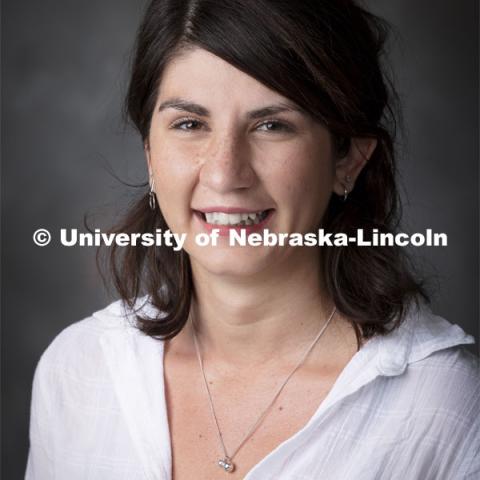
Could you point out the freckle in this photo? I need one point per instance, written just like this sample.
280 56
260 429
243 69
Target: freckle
200 436
280 408
210 382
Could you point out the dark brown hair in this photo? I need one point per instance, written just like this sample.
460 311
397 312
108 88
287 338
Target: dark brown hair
325 55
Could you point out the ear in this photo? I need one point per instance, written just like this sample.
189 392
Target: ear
348 168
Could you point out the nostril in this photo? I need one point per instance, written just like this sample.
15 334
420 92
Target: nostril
227 174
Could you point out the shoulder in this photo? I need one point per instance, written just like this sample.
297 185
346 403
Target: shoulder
439 357
431 384
450 373
442 393
446 373
77 351
428 370
81 385
445 407
448 383
80 337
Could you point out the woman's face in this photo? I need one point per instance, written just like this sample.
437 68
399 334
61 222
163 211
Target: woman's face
222 146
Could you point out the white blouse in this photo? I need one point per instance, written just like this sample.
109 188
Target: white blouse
406 407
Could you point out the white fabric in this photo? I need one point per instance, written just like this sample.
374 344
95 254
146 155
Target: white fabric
406 407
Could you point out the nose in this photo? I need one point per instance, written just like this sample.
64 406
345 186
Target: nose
227 165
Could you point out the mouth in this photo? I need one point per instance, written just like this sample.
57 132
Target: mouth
234 219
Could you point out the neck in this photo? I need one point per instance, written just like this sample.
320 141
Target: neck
249 322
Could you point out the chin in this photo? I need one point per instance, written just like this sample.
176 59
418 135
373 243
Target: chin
236 262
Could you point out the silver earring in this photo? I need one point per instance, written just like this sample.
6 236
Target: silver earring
345 189
151 194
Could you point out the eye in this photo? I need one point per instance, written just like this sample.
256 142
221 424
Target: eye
186 124
274 126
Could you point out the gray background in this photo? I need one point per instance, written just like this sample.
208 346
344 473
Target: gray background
64 67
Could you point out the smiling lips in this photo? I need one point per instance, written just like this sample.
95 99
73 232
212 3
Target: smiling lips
225 219
235 219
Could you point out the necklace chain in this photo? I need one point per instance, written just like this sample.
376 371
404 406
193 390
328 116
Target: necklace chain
227 462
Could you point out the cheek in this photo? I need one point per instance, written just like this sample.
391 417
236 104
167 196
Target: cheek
305 180
175 177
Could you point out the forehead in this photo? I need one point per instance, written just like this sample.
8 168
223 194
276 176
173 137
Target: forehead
203 76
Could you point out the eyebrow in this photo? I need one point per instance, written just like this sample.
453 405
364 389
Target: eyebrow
191 107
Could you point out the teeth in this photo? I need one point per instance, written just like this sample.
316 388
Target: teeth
221 218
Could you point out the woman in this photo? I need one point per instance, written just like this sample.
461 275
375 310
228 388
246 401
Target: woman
260 362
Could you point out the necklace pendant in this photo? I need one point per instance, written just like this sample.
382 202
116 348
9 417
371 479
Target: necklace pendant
227 464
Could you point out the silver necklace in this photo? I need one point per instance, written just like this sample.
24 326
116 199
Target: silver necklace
227 461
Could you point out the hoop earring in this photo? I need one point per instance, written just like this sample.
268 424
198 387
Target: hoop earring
151 194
